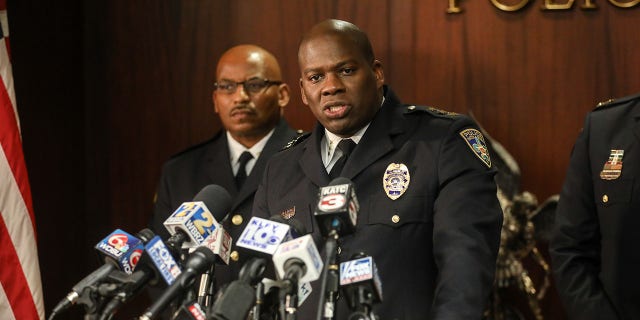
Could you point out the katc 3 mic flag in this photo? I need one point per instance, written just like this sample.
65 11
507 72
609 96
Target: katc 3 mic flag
20 285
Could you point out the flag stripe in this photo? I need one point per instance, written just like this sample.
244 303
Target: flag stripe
21 289
5 313
12 144
13 279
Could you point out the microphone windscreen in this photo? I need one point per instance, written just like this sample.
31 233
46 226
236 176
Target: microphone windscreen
145 235
217 199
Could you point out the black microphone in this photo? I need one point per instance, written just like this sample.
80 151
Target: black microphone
159 262
297 261
190 311
361 286
261 238
156 263
239 296
259 241
337 208
197 263
194 221
336 214
121 251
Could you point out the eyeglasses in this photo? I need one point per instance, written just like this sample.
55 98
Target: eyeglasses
250 86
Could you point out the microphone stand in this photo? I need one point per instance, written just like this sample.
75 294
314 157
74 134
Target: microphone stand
330 279
362 306
239 298
259 301
289 296
206 288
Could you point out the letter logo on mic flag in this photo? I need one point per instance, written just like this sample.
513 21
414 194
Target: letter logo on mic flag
363 271
195 219
337 203
122 249
20 285
162 259
332 202
263 235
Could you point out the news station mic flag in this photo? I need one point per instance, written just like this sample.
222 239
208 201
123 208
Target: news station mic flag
20 286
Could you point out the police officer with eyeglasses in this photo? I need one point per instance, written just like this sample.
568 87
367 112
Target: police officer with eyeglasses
249 97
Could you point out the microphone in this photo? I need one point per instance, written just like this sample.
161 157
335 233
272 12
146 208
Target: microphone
120 250
193 222
162 260
361 285
272 288
261 238
157 262
197 262
162 264
337 208
336 214
259 241
190 311
196 224
296 261
239 296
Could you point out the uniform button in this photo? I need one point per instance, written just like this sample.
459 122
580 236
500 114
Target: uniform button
237 220
339 250
395 218
605 198
234 255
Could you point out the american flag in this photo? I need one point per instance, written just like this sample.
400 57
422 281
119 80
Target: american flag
20 286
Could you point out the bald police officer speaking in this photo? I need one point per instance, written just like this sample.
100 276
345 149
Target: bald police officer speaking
428 210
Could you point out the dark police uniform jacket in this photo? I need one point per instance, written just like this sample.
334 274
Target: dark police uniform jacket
436 245
185 174
594 249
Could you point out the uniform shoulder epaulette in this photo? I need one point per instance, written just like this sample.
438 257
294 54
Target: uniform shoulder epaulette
301 137
431 110
195 146
616 102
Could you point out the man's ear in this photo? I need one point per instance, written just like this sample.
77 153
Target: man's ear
378 71
284 95
213 100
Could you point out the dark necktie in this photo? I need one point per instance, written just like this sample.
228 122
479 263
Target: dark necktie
346 146
241 176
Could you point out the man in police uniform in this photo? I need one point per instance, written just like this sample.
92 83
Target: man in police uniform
250 99
434 233
594 245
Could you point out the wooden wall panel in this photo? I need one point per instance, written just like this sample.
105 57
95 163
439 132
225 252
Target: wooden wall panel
148 66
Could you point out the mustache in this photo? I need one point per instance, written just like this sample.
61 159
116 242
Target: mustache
244 108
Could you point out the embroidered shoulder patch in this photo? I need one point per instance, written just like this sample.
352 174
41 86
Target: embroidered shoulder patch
475 141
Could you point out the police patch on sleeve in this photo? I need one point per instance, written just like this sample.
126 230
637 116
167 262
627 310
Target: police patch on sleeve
475 141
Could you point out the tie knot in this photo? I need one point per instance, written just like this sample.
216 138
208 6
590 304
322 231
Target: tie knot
346 146
244 158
